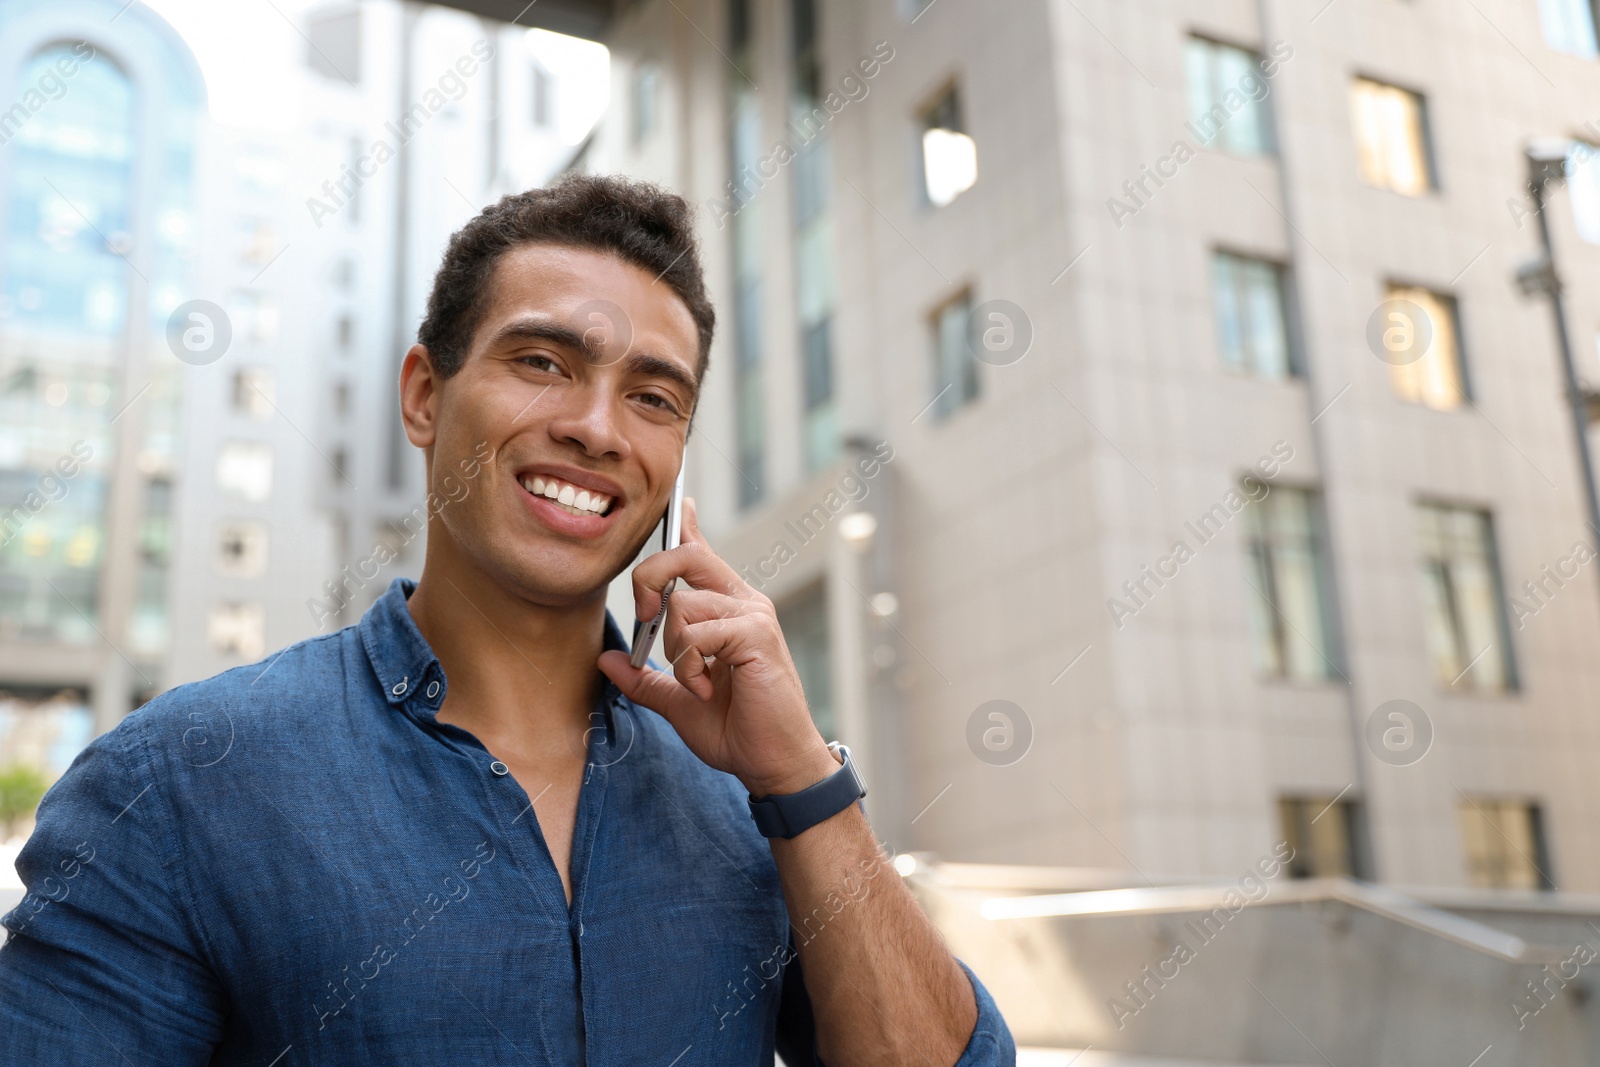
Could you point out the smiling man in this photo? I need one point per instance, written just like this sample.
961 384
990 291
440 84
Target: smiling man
466 830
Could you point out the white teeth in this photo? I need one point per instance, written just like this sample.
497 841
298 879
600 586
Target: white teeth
578 501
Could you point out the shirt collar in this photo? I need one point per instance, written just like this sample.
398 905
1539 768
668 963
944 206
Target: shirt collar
408 671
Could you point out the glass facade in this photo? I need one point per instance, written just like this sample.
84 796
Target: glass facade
63 311
813 240
90 267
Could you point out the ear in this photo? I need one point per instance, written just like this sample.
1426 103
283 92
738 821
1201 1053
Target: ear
419 396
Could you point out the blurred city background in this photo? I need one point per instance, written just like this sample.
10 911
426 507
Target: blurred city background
1163 426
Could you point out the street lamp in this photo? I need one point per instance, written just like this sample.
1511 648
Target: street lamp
1547 159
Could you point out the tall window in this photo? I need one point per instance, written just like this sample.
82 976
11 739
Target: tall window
745 150
1291 624
804 621
1569 26
955 370
65 292
1505 844
813 240
1227 98
1469 640
1436 377
1392 145
949 154
1583 189
646 88
1325 833
1252 319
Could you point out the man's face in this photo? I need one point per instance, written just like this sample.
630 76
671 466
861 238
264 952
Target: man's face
581 379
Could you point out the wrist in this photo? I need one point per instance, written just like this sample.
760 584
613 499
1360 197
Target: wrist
817 764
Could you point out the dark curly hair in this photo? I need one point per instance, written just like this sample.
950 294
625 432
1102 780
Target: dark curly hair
637 221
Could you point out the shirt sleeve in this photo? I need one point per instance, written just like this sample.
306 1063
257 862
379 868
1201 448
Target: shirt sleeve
990 1045
102 963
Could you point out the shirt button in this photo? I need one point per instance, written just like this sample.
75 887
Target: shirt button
399 689
500 769
433 690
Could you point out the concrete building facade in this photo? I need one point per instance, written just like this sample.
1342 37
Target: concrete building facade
1116 285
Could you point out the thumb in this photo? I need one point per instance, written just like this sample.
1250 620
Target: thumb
657 690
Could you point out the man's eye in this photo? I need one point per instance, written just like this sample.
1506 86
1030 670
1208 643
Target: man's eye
656 400
536 361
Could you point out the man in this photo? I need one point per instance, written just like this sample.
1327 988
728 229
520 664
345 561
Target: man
466 830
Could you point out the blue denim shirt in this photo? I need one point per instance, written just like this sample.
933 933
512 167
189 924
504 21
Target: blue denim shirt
297 863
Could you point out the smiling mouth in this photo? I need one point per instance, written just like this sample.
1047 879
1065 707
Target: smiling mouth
566 496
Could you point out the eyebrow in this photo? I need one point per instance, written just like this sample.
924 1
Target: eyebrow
641 363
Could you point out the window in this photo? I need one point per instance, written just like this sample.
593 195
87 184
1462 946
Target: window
646 87
1291 626
1252 321
1327 837
254 392
1392 138
1569 26
949 155
1583 187
1469 640
1504 843
813 241
238 630
1435 378
804 621
244 470
955 370
1227 98
241 549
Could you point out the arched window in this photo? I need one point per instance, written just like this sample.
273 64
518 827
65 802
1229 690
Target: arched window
71 188
64 304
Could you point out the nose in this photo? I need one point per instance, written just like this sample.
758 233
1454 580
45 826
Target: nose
592 419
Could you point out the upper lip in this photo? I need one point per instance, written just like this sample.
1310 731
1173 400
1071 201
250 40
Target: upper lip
579 477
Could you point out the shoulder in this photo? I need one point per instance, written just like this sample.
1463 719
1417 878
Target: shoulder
285 689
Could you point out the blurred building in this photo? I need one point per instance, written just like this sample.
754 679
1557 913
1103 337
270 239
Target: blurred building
1178 508
424 115
201 329
154 388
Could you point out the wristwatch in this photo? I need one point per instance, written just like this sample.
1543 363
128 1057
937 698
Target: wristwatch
792 814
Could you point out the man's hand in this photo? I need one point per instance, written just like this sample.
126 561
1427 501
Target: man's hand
733 694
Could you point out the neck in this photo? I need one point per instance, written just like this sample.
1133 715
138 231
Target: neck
517 670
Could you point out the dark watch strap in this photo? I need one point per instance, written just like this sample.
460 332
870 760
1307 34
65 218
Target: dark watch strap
792 814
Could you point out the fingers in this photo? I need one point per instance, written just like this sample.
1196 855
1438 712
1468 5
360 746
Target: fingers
648 688
690 607
693 562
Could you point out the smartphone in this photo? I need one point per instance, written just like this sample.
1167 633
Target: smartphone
645 630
